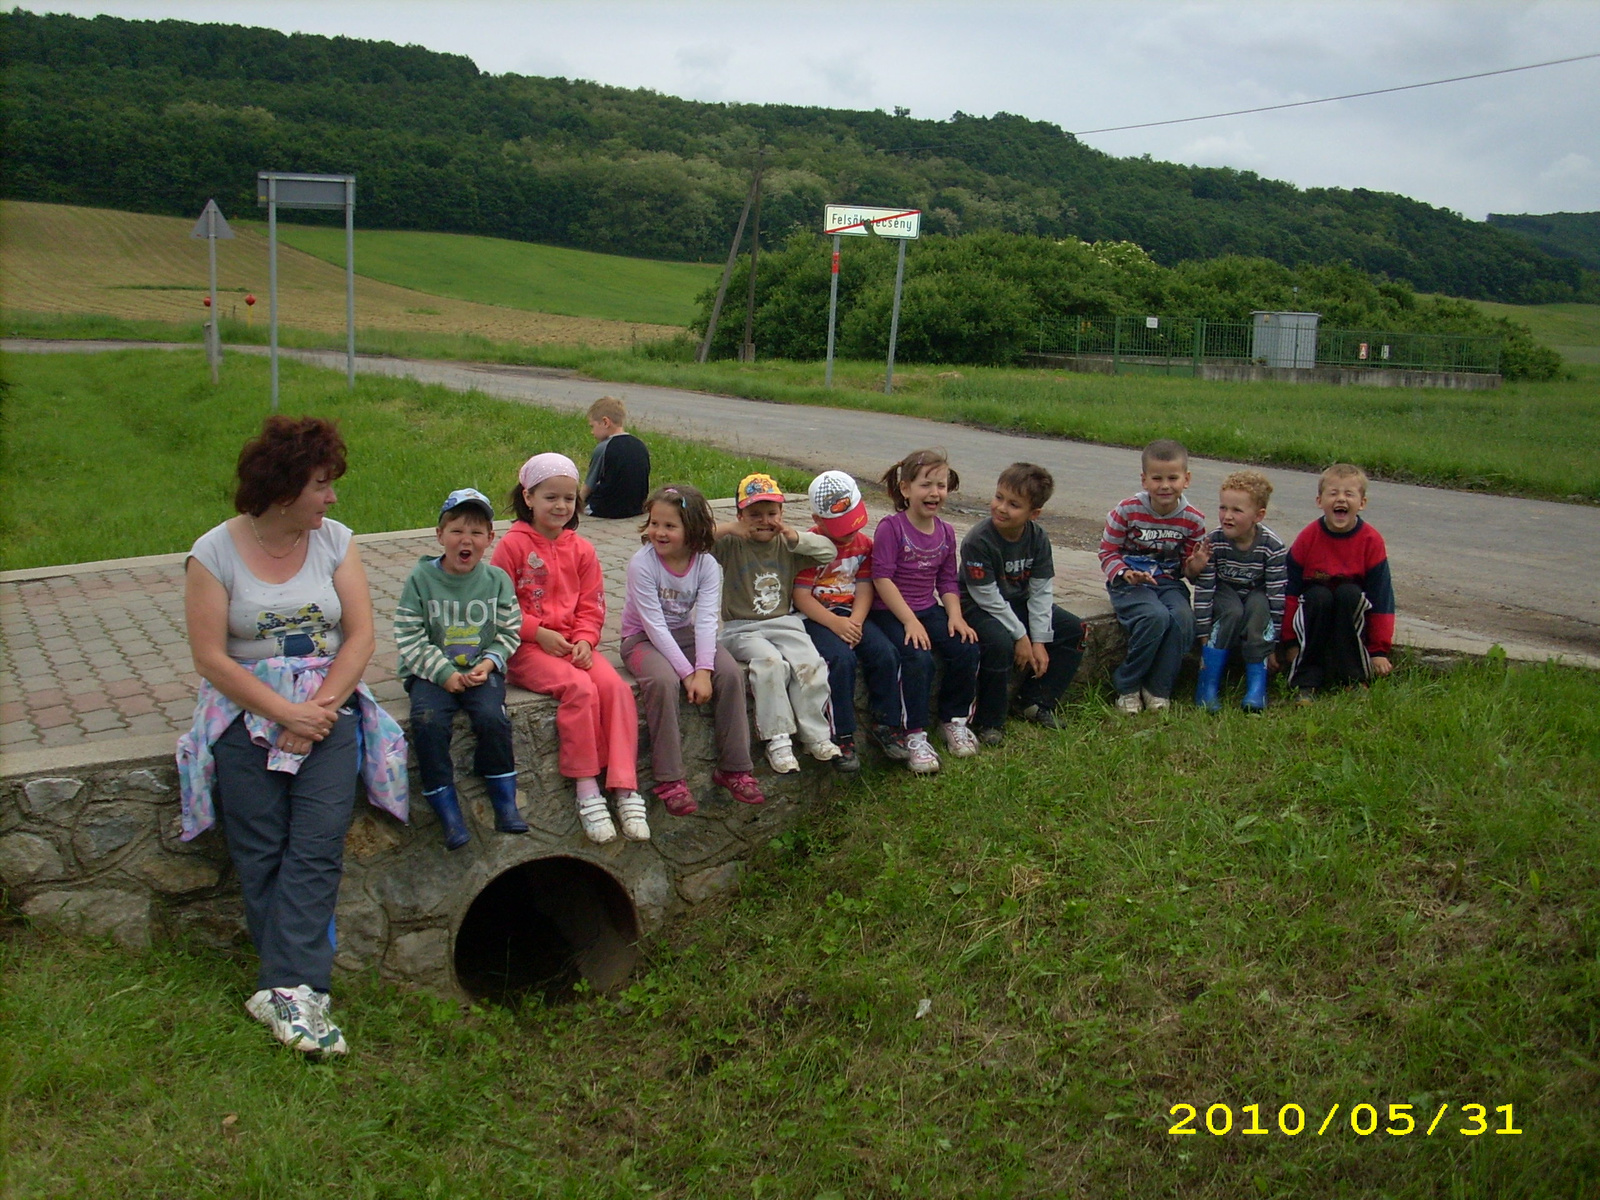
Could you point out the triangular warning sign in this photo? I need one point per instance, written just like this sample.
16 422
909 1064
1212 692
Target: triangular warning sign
211 223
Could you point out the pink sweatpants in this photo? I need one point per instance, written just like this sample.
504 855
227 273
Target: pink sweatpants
596 718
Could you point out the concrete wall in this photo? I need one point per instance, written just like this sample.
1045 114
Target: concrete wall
1253 373
89 844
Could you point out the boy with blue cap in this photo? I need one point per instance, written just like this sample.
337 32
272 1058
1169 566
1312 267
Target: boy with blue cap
455 626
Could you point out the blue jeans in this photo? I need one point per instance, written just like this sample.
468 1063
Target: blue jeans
878 661
1160 627
960 660
433 715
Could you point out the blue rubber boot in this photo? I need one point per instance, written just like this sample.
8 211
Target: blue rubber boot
1255 687
448 809
503 795
1212 661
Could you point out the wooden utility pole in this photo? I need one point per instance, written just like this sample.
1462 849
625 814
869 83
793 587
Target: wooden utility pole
747 348
733 257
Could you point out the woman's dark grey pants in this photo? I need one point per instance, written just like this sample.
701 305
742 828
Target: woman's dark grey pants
286 834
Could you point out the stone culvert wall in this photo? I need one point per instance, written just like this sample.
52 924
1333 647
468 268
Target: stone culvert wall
95 852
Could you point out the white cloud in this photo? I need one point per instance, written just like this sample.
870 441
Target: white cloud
845 77
704 65
1223 150
1570 168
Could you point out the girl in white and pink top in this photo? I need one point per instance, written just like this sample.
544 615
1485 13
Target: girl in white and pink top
673 604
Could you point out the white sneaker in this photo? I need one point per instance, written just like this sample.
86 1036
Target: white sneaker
780 757
963 743
316 1005
630 811
1154 703
824 751
924 759
1129 703
279 1009
597 826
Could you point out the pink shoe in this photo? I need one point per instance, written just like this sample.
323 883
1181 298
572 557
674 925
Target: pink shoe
676 797
741 784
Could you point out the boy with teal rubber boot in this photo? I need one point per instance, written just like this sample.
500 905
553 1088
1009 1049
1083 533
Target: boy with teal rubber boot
455 626
1238 595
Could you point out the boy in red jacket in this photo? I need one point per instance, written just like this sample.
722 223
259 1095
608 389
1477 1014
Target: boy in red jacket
1338 613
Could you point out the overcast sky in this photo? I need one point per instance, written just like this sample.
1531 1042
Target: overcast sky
1527 142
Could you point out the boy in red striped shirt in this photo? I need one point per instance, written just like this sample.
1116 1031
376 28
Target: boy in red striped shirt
1338 612
1153 541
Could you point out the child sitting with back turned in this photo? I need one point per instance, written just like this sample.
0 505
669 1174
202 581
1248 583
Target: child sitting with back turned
918 608
455 627
619 469
1008 596
834 601
1152 541
760 557
673 606
556 574
1238 595
1338 614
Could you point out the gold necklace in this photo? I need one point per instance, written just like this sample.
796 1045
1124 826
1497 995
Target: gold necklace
263 545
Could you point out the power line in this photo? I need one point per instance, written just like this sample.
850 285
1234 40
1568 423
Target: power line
1239 112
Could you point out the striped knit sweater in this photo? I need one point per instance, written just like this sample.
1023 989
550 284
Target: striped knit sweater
444 622
1263 565
1137 538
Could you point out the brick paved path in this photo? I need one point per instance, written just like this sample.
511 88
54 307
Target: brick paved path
98 651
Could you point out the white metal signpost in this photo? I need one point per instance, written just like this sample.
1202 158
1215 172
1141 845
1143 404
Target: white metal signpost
279 189
212 226
855 220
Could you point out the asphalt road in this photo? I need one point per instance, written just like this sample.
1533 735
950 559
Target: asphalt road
1505 568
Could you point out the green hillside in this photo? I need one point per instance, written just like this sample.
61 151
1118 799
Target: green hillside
1571 330
1566 235
552 279
159 116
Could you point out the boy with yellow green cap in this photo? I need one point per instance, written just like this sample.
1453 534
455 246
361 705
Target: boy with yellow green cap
761 555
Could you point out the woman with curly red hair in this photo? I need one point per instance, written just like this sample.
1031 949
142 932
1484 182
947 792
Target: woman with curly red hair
280 626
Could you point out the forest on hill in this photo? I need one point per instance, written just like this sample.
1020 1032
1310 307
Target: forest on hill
1566 235
159 116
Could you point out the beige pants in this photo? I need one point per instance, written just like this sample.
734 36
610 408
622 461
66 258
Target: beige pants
788 678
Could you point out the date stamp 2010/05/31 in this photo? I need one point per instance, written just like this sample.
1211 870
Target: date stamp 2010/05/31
1363 1119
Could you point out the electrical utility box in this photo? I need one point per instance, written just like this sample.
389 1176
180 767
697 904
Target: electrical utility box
1285 339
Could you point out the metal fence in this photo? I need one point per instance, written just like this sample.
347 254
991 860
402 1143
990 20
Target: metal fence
1179 345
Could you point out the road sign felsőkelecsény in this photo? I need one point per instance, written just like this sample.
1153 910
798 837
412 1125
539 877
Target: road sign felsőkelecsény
850 220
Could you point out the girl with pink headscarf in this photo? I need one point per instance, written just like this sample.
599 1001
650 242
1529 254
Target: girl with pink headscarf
556 574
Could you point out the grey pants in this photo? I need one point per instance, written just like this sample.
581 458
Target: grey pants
1241 619
286 838
660 690
788 678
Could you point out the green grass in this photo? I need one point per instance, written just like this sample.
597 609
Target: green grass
1573 330
1524 438
132 452
573 283
1383 899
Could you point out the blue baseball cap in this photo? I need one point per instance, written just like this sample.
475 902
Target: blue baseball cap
466 496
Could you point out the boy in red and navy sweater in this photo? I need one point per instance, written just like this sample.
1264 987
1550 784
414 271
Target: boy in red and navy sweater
1339 609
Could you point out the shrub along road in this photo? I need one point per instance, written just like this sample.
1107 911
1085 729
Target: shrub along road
1507 569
